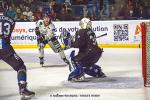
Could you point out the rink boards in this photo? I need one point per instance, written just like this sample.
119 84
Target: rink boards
120 34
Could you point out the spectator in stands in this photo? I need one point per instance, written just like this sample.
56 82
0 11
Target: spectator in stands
94 7
1 6
112 13
22 7
69 16
91 9
62 15
136 9
60 1
33 19
11 12
25 18
74 9
18 13
103 15
67 6
123 12
106 8
79 2
66 13
38 13
142 13
147 9
132 12
28 13
55 6
85 11
32 5
53 15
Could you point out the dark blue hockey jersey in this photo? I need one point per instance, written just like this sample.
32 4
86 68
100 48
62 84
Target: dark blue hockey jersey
6 28
85 40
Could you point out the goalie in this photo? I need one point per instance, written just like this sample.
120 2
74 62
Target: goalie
45 35
89 53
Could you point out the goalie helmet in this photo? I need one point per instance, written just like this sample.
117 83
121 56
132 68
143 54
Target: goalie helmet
85 23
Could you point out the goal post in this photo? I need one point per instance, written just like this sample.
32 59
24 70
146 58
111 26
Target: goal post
146 52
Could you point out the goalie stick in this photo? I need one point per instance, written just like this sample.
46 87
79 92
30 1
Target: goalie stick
101 35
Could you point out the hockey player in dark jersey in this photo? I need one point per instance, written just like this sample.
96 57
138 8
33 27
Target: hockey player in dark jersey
89 52
8 55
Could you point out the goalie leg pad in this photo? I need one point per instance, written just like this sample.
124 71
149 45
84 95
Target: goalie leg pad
76 74
66 39
94 71
77 71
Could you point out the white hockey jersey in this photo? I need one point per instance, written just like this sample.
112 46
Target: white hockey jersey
48 30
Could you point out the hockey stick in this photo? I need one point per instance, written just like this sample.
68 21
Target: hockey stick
101 35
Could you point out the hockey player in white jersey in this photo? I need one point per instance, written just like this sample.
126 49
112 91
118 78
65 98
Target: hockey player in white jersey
45 31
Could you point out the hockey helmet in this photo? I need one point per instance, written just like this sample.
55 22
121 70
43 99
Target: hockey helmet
47 19
85 23
45 15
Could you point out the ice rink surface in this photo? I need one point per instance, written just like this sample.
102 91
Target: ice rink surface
122 66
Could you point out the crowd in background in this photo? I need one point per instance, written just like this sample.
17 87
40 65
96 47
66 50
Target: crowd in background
71 10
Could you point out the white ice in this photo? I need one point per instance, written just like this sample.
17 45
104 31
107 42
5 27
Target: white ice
123 68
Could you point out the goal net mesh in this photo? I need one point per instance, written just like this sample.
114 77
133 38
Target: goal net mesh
146 52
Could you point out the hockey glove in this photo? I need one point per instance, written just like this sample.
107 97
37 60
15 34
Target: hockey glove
66 39
41 38
37 32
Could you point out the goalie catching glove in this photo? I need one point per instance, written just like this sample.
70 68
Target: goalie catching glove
40 37
66 39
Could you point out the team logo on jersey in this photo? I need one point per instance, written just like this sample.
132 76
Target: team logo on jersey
91 37
78 36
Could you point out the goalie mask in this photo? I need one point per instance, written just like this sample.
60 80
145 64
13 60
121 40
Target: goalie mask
85 23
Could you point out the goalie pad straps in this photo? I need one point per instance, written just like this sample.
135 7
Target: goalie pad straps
66 38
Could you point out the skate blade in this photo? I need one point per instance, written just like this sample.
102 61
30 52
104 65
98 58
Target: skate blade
42 65
23 97
102 76
81 79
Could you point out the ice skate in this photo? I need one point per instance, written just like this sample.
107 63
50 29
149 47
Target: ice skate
78 79
41 61
24 92
101 75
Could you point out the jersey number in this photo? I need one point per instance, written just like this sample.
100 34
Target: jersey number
4 28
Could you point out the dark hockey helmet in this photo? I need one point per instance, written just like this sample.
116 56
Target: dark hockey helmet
45 15
47 19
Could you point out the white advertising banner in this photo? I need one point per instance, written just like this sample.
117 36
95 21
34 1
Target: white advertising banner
118 32
24 33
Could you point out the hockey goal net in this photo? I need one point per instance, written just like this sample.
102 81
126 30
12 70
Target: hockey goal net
146 52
